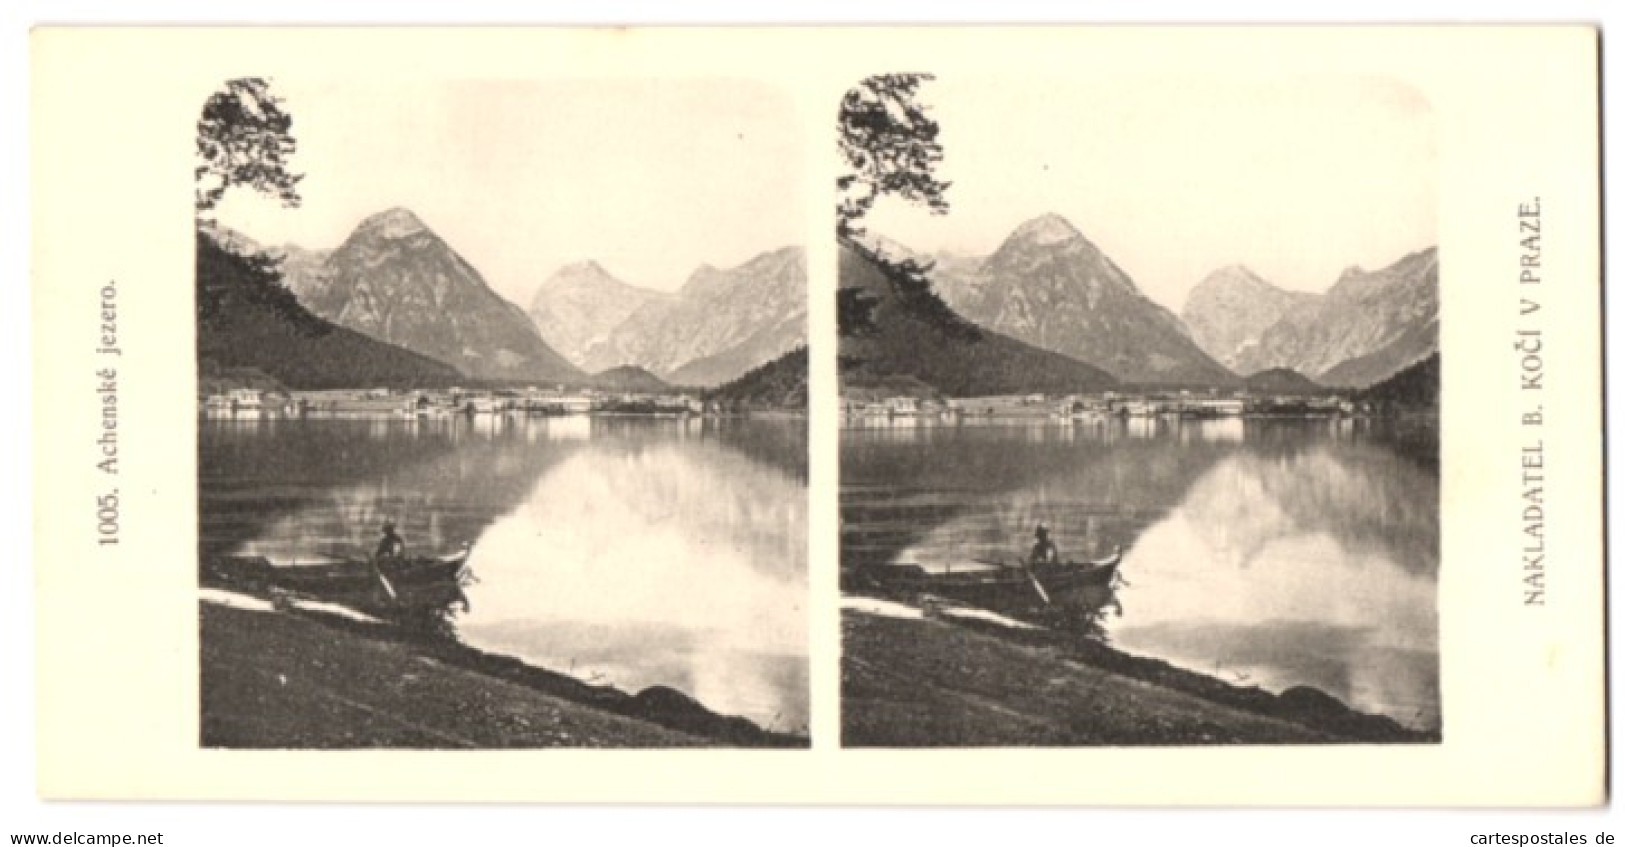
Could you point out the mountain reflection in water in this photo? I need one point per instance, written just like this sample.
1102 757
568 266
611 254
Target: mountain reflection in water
1269 553
629 551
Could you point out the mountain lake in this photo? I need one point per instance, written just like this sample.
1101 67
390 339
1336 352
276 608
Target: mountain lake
1264 552
625 551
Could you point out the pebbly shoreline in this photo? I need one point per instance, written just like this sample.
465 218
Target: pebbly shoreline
930 680
300 679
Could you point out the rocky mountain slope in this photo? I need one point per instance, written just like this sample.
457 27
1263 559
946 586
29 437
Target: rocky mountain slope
580 305
893 326
250 328
720 324
1049 286
629 378
395 280
1229 310
1368 326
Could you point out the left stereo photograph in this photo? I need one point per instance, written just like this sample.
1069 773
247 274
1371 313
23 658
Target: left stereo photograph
502 432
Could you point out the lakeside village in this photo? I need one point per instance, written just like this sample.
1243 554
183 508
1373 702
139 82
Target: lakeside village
371 402
861 403
855 402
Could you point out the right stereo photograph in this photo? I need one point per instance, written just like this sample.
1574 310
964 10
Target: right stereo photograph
1139 411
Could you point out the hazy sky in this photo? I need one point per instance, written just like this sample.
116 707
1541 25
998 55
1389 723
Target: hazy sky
649 178
1173 177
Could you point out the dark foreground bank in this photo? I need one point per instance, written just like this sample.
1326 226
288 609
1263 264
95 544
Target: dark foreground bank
934 682
303 680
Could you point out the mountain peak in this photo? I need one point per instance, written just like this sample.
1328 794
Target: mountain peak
398 222
704 278
586 269
1048 286
1047 229
1364 328
1238 271
395 280
1231 276
719 324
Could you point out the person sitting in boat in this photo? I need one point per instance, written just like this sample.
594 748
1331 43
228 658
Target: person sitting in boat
391 548
1044 550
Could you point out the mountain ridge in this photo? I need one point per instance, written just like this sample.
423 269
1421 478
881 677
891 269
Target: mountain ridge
394 279
580 304
894 326
1049 286
1368 326
720 324
249 322
1231 308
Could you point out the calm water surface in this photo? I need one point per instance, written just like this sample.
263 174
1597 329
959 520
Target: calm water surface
627 551
1267 552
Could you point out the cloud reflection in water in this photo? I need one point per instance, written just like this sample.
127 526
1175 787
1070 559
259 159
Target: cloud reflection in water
655 563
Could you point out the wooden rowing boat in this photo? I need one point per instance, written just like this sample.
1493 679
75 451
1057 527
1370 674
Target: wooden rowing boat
358 575
1008 588
422 581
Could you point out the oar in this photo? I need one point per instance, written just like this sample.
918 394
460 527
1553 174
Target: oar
1031 577
1037 586
383 580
